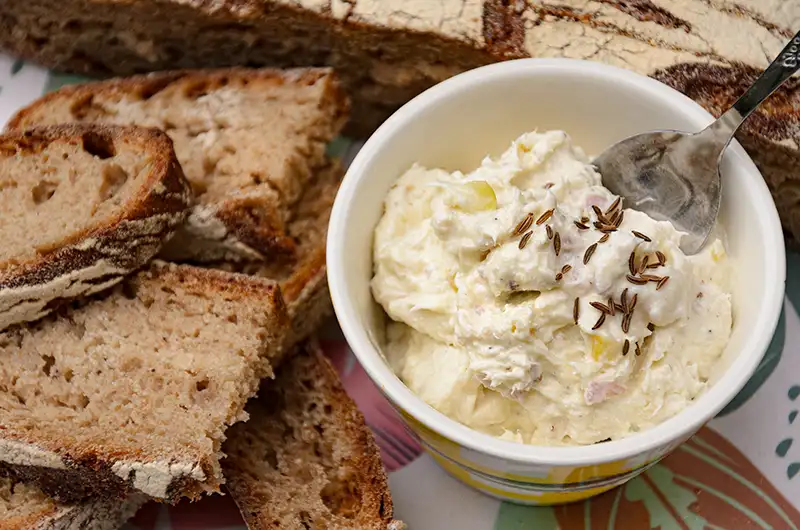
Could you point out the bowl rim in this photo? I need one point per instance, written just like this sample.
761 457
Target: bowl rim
677 428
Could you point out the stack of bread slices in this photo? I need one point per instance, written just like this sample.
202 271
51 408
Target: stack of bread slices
134 357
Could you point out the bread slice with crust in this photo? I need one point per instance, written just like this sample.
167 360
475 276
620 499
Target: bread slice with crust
82 206
26 507
248 140
133 392
303 280
306 458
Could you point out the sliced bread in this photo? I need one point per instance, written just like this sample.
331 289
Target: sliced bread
306 459
133 392
26 507
82 206
303 280
248 140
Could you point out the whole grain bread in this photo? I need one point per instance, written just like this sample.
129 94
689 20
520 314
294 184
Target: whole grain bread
248 141
306 459
387 52
26 507
132 393
303 280
82 206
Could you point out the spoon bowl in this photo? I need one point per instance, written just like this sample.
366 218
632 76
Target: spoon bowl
669 175
674 175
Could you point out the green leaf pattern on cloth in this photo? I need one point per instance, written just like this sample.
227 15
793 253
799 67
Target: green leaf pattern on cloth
667 503
705 484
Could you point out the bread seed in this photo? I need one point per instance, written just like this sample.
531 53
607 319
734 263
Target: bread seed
599 321
662 282
632 263
635 281
662 259
576 308
523 225
626 346
549 232
525 239
641 236
613 205
600 307
557 243
604 238
650 278
626 323
581 226
545 216
589 252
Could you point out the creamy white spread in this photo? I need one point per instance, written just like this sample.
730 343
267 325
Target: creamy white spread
528 304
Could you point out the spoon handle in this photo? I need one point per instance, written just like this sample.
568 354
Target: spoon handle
781 69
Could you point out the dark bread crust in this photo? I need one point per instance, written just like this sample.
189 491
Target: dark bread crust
303 280
88 474
307 381
43 513
250 221
127 240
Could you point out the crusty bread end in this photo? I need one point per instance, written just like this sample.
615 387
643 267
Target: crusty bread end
83 205
306 458
133 392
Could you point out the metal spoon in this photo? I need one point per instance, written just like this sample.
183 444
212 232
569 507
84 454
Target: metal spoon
674 175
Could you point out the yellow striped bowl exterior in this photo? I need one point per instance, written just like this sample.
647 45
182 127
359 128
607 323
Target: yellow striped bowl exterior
528 483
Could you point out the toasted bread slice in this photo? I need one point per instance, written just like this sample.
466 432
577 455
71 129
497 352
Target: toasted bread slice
248 141
306 459
82 206
303 280
26 507
133 392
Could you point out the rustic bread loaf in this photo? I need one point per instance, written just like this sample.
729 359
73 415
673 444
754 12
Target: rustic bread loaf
133 392
248 141
82 206
303 281
26 507
387 52
306 459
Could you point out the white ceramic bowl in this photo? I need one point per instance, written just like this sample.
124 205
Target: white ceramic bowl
453 126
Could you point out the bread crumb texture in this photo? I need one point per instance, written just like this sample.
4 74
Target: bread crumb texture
144 380
248 141
82 206
306 459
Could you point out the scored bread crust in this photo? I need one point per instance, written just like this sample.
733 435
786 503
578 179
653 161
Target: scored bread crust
77 474
99 256
243 226
342 486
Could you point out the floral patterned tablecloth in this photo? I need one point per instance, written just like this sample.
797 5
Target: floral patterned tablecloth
741 471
